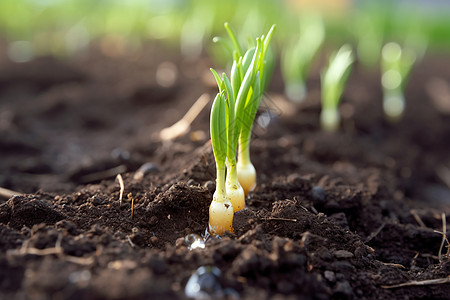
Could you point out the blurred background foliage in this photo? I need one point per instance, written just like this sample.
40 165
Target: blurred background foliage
68 27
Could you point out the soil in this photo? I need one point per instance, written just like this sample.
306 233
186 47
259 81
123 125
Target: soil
344 215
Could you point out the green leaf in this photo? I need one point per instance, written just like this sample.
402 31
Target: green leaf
218 79
252 104
218 129
234 41
224 43
231 122
247 60
235 78
247 82
335 77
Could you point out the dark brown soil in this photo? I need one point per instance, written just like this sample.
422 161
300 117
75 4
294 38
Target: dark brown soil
343 215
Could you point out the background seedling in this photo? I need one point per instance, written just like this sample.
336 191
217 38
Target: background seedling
298 55
396 66
334 78
369 27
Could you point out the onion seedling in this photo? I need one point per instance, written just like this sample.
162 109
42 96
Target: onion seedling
221 209
296 59
333 81
249 77
396 65
233 188
247 102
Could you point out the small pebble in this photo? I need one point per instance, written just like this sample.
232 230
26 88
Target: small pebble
154 240
210 185
343 288
120 154
192 182
343 254
318 194
330 276
95 200
145 169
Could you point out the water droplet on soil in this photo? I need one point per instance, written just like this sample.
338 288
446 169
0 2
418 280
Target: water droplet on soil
194 241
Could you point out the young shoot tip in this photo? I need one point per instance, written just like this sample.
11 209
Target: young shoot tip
333 81
396 65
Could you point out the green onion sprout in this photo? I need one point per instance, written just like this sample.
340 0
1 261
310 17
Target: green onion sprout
232 115
221 209
297 58
333 80
396 66
247 102
233 188
250 74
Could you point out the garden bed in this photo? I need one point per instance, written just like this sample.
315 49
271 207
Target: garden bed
338 215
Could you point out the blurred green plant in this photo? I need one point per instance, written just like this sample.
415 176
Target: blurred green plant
333 81
369 27
299 53
64 27
396 67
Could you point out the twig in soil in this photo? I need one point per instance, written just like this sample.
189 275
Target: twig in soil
122 188
5 193
130 197
131 242
419 282
444 235
103 174
417 218
184 124
57 250
280 219
296 202
427 255
414 260
393 265
374 234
